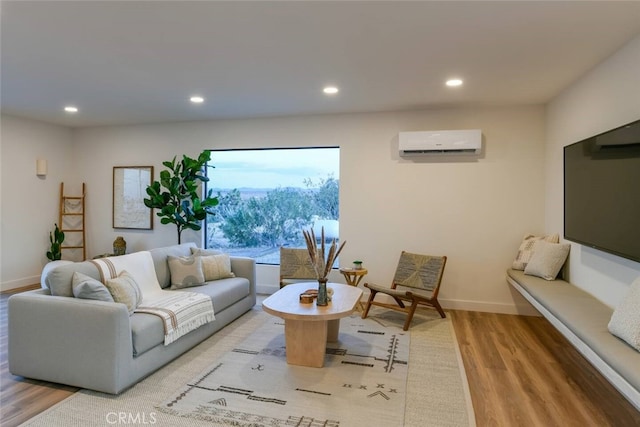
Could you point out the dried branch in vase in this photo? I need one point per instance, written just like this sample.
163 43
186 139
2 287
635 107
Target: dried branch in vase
321 265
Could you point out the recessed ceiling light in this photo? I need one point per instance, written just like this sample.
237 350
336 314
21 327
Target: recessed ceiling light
330 90
454 82
71 109
196 99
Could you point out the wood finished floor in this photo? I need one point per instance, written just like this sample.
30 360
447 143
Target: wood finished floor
521 372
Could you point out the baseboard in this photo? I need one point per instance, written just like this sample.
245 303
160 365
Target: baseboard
19 283
266 289
489 307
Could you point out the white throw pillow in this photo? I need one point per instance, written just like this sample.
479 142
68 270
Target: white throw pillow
625 321
547 259
216 267
186 271
525 252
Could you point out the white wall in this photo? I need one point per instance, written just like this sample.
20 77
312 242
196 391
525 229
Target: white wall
475 211
30 203
606 97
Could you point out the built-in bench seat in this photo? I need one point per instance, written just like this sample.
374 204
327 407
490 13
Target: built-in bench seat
583 320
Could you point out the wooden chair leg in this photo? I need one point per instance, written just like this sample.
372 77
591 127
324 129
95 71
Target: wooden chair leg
436 304
366 309
410 313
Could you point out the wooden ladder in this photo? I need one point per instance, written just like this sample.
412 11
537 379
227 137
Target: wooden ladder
72 221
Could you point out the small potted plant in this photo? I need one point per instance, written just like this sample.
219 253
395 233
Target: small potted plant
54 254
56 238
357 265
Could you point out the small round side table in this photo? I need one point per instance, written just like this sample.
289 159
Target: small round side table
353 277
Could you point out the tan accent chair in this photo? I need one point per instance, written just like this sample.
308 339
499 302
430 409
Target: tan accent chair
295 266
417 281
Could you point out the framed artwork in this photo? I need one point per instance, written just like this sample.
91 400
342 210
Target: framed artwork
129 190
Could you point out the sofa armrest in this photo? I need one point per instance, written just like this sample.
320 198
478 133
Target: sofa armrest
71 341
245 267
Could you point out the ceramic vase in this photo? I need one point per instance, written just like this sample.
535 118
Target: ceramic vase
119 246
322 292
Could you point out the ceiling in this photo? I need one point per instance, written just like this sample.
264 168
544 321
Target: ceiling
140 61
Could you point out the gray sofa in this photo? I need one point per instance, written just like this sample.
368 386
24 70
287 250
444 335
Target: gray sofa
583 320
98 345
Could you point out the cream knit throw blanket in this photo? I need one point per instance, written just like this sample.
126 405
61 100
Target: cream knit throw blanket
181 312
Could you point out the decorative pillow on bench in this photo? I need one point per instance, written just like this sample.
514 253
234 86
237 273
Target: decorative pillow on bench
625 321
526 250
547 259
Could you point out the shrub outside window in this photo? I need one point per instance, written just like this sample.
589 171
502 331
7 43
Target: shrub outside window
268 196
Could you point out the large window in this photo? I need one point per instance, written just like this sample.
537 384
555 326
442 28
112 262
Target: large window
268 196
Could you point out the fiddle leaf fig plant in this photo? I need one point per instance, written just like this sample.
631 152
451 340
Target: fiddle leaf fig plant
177 197
56 238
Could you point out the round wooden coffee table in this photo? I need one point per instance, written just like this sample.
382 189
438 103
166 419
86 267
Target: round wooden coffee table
308 327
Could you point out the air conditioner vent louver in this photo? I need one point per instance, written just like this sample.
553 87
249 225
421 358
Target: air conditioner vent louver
460 151
442 142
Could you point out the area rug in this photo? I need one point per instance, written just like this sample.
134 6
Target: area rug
436 388
254 385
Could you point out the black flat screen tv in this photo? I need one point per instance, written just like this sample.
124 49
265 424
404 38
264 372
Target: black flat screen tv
602 191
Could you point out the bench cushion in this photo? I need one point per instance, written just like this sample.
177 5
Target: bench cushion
587 318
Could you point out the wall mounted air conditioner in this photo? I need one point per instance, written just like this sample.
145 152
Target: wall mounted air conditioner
439 142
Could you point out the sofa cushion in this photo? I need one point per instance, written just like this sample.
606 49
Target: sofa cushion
85 287
125 290
147 330
51 265
161 264
186 271
205 252
224 292
59 280
216 267
625 321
